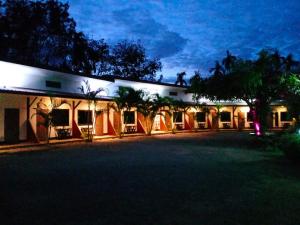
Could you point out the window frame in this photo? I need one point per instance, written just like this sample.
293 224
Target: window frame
173 119
85 123
225 121
134 117
67 122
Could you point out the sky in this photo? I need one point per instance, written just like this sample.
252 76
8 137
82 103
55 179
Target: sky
191 35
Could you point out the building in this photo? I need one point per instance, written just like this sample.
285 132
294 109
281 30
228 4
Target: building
24 90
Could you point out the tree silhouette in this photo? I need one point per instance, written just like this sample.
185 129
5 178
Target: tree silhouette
228 61
129 61
217 70
180 79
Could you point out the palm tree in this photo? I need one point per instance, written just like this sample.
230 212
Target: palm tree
46 112
91 97
197 86
217 70
126 99
228 61
180 80
289 62
149 107
177 106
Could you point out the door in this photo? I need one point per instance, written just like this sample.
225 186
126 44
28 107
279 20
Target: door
241 120
276 119
11 125
156 125
215 120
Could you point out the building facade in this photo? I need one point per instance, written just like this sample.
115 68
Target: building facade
27 91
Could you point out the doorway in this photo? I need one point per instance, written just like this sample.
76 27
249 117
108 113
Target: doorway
11 125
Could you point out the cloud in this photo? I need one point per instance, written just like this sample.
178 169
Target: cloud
159 40
191 35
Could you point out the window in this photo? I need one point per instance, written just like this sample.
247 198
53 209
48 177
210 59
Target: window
249 117
200 116
225 116
60 117
85 117
285 116
53 84
173 93
129 117
177 117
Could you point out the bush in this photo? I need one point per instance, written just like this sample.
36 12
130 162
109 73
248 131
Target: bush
290 145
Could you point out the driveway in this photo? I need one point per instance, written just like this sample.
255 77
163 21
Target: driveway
195 178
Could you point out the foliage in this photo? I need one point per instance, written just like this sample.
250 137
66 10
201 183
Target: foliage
46 112
150 106
177 106
180 79
218 70
291 82
42 33
257 82
91 97
129 61
229 61
126 98
290 145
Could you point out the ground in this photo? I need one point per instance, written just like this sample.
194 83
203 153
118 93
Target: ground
182 179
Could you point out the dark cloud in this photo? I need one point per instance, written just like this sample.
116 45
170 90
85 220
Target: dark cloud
159 40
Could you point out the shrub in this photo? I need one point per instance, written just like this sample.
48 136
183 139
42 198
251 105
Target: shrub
290 145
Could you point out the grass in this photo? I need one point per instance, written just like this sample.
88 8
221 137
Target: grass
207 178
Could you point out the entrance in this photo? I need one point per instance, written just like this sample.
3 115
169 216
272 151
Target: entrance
156 125
276 119
241 120
11 126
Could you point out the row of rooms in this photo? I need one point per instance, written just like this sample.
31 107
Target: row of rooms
22 118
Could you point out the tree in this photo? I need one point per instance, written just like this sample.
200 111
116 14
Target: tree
91 97
270 70
292 95
177 106
36 33
149 107
180 79
217 70
228 61
197 87
42 33
126 98
129 60
46 112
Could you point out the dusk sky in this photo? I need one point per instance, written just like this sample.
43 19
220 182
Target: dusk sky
191 35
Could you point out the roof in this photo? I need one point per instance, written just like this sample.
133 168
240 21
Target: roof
36 92
110 78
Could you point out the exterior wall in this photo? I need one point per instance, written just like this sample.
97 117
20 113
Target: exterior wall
280 109
18 102
20 76
16 77
45 103
82 105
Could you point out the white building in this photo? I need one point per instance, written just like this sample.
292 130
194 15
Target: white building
25 89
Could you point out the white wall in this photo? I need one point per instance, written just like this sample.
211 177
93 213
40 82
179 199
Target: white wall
18 102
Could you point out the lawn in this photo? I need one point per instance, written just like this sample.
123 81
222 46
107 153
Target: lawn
182 179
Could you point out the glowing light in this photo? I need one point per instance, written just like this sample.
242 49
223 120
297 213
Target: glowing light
257 128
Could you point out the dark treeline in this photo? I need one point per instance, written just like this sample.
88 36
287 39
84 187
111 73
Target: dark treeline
42 33
259 82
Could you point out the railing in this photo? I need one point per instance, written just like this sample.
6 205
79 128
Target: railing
129 129
63 133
